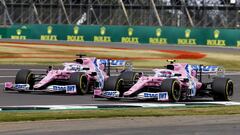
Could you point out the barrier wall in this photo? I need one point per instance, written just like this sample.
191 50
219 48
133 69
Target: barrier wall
2 32
127 34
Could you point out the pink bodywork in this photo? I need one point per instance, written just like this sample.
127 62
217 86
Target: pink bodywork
70 68
161 74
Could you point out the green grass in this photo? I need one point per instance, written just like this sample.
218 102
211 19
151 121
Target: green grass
137 112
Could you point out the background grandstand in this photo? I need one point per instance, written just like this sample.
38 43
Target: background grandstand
195 13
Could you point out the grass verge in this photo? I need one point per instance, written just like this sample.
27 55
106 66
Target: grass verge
137 112
55 55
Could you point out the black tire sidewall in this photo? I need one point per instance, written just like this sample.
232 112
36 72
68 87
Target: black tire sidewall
220 88
128 76
24 76
78 79
168 85
113 83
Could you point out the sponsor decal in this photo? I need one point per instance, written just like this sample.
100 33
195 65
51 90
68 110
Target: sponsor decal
75 67
112 62
100 75
102 38
22 86
130 39
19 35
75 36
49 35
111 93
158 39
67 88
192 83
160 96
150 95
187 40
71 89
216 41
163 96
205 68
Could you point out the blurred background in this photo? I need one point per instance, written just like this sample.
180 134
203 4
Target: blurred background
186 13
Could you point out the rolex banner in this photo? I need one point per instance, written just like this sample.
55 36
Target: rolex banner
2 32
126 34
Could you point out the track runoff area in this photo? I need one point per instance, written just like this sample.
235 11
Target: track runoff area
54 101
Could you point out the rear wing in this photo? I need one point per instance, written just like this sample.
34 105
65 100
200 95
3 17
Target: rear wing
109 63
207 69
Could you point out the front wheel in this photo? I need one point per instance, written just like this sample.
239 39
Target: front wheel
25 76
81 82
222 89
171 86
114 83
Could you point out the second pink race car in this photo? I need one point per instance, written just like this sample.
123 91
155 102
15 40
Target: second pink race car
177 82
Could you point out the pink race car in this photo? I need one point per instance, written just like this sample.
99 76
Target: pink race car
79 77
179 81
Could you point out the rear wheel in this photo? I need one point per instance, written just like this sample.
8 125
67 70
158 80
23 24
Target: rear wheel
129 76
172 86
25 76
114 83
222 89
81 82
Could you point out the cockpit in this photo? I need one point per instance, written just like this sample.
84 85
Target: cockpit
163 73
73 67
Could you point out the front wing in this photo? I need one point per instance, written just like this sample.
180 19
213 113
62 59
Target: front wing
159 96
69 89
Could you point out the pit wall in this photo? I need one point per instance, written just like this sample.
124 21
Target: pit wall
125 34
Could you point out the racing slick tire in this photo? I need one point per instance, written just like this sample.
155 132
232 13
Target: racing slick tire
24 76
114 83
129 76
172 86
81 82
222 89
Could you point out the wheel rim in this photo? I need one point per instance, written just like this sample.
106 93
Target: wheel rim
176 91
135 77
28 79
119 86
229 89
83 83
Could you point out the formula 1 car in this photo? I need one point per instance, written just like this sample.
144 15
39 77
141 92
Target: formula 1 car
177 82
79 77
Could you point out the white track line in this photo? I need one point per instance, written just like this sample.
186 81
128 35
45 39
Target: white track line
7 76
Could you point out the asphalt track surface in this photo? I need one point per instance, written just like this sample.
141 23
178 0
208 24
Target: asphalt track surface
7 73
184 125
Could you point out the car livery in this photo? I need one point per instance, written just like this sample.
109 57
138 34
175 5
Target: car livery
177 82
79 77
